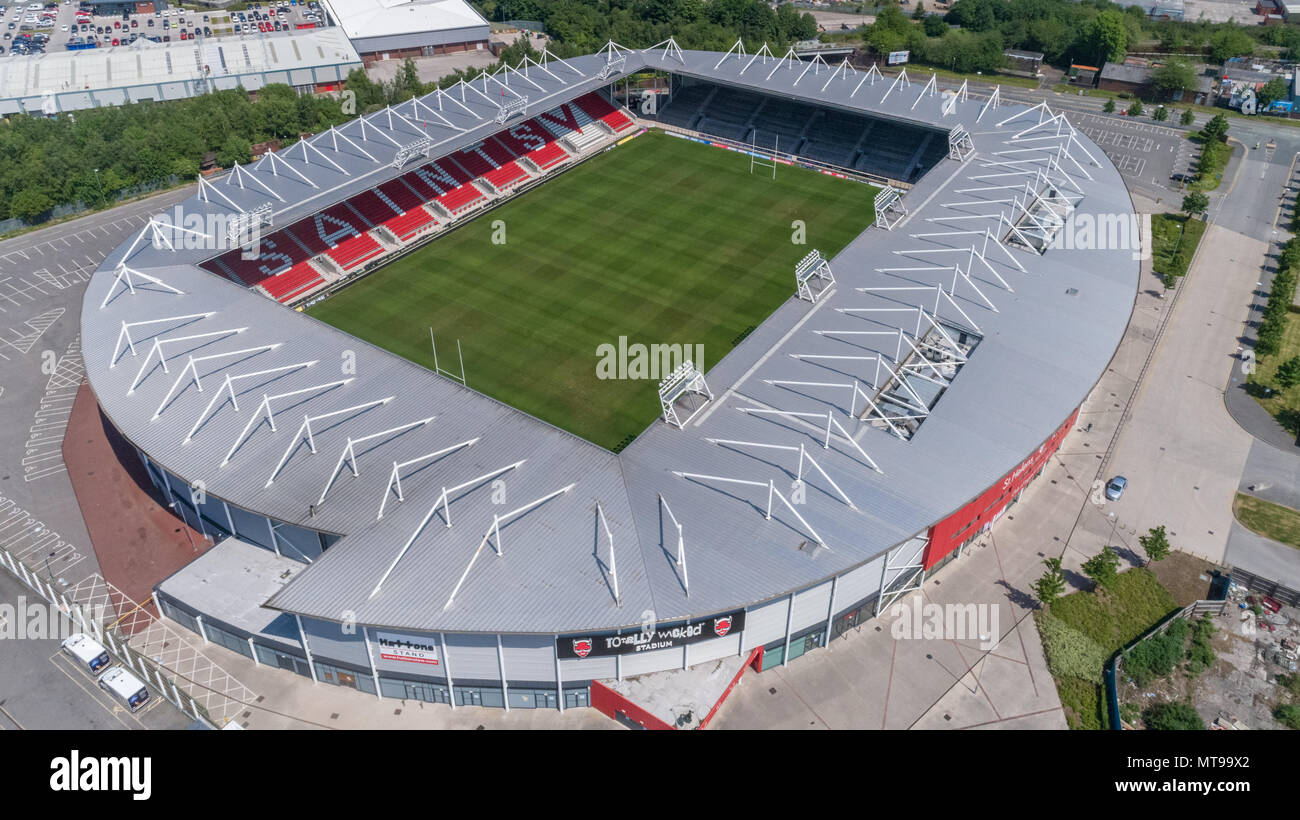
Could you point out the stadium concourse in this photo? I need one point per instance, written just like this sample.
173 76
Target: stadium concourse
383 527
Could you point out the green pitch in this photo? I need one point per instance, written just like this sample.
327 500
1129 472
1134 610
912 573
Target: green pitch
661 240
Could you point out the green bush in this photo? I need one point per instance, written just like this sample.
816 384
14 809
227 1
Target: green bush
1069 652
1201 654
1288 714
1172 717
1157 656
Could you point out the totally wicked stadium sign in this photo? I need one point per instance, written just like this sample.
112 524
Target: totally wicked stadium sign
649 640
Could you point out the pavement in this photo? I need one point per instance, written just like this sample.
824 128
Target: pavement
42 688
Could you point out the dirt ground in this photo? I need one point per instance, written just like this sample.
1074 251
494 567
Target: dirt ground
1242 683
1186 577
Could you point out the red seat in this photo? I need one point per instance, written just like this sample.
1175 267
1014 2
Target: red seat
548 155
507 176
400 194
477 164
297 280
352 252
524 138
460 199
371 208
410 223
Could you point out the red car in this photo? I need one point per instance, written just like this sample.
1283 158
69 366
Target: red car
114 41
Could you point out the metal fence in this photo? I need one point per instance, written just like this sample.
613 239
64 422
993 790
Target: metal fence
1255 583
143 643
1115 666
75 208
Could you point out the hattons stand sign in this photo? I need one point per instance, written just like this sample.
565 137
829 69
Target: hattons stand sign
630 643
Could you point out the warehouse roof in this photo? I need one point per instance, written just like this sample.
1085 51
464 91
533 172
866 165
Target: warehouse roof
381 18
1046 328
146 62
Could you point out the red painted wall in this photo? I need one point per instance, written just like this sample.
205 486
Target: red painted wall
755 655
607 702
957 528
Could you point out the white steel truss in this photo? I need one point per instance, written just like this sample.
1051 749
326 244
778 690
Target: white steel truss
495 529
191 369
305 434
349 454
889 208
395 478
613 563
831 424
804 456
812 269
129 276
670 49
960 144
684 381
125 333
443 500
227 389
157 348
264 410
772 492
909 575
681 542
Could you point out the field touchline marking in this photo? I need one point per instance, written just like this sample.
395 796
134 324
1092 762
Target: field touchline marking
732 389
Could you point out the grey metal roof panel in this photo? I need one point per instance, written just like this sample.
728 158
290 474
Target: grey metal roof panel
1041 351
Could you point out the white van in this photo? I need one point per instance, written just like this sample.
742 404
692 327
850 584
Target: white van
88 652
125 687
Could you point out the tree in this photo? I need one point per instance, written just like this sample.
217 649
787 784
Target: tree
934 26
1102 568
1052 583
1273 90
1155 544
235 149
918 13
1288 714
1187 118
1216 130
30 205
1172 77
1288 373
1160 114
1135 110
1106 37
1109 107
1230 42
1195 203
1172 717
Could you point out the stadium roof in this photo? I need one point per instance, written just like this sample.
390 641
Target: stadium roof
1048 325
363 19
173 68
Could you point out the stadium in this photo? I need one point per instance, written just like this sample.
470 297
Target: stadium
389 410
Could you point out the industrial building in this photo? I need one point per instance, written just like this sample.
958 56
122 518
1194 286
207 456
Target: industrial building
62 81
396 29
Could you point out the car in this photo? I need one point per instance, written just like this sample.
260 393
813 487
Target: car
150 22
115 41
237 28
207 32
135 24
1115 487
167 38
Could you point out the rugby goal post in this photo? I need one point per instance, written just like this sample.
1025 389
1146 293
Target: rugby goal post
681 385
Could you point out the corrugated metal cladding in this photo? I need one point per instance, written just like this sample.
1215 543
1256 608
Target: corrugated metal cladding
714 649
1041 352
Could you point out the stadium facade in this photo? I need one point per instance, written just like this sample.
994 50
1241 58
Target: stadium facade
383 527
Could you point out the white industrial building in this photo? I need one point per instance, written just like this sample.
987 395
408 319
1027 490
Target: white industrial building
395 29
74 80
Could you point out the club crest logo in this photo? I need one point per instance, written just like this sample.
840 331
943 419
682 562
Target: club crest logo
721 626
582 647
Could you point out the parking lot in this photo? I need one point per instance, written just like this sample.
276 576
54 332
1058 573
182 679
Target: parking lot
36 28
1144 152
